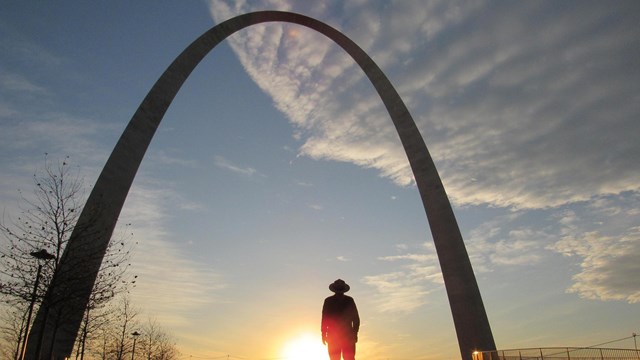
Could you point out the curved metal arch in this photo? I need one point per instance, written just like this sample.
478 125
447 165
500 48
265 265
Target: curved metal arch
97 221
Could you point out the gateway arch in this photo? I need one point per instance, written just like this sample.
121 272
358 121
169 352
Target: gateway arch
77 271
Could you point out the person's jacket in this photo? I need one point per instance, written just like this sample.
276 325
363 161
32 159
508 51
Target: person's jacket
340 319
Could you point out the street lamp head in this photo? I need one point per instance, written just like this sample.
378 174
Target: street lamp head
135 334
42 255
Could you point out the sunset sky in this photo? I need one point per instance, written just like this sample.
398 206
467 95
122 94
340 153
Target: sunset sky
277 170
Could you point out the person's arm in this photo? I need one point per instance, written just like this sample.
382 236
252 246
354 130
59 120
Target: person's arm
355 321
324 323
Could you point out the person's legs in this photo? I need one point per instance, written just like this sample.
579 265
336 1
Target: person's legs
334 350
349 351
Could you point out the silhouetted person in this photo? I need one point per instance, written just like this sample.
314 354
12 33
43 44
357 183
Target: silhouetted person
340 322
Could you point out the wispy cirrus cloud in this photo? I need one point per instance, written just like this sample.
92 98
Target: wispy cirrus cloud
16 46
607 259
398 292
407 289
602 238
18 83
609 266
303 183
6 110
503 241
165 157
226 164
514 116
316 207
28 135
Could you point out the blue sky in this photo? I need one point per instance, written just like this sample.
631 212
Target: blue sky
276 170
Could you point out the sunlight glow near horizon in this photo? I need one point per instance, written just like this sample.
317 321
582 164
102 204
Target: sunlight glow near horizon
304 347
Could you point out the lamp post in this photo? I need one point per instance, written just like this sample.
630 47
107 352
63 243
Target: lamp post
40 255
135 335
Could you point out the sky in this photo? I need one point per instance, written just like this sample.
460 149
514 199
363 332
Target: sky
277 170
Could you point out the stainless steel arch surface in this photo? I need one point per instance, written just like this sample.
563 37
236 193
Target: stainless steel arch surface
84 253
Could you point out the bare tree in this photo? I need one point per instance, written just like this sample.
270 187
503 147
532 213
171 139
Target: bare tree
156 343
104 345
12 331
43 225
125 324
150 333
46 220
167 349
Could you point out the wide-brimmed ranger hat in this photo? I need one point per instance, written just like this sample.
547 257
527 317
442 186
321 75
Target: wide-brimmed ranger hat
339 286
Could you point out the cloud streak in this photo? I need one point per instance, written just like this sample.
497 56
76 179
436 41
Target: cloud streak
526 114
223 163
17 83
609 266
406 290
607 260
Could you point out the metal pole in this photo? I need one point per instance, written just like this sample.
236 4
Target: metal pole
23 333
40 255
133 352
33 301
104 347
135 335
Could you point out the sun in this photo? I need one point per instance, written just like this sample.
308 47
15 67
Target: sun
305 347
